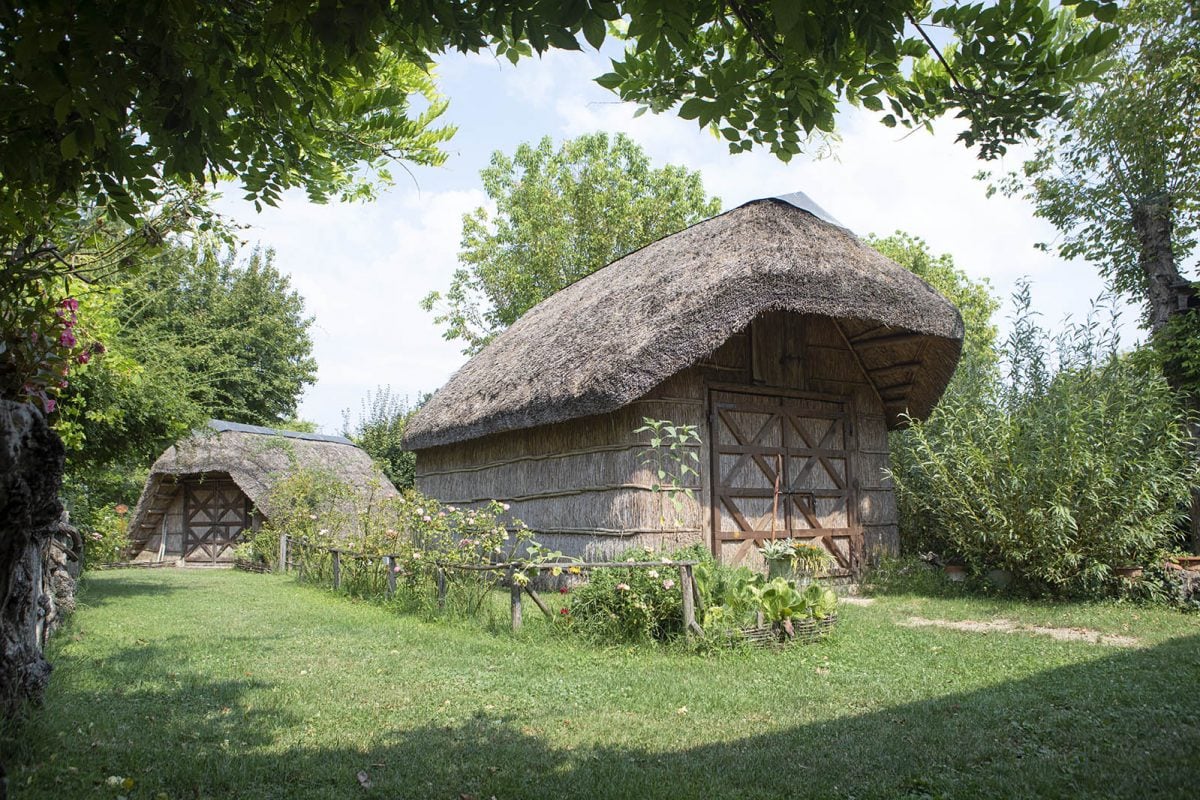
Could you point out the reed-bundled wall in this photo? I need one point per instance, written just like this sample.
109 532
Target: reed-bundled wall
582 485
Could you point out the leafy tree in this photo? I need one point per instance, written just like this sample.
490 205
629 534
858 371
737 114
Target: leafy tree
1120 177
379 431
1120 180
560 215
973 299
195 334
974 379
116 101
773 73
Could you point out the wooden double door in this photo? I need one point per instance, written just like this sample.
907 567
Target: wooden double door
782 468
215 513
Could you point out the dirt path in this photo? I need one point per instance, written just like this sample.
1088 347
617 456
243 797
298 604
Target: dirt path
1008 626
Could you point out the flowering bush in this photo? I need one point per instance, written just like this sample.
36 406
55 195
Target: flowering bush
411 536
630 603
108 540
39 341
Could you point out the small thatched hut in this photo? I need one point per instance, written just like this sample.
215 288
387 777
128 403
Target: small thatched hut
208 488
789 343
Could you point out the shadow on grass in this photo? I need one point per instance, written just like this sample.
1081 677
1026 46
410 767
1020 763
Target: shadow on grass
110 586
1125 725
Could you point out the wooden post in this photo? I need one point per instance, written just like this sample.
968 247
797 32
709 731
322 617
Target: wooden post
515 595
390 563
337 569
689 601
283 553
441 589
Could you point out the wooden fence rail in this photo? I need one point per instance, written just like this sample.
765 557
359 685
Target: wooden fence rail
687 578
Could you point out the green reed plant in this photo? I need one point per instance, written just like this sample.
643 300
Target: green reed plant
1069 461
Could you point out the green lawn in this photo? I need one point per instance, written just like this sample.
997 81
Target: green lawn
207 684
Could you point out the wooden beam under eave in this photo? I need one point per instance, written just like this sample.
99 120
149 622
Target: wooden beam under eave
895 338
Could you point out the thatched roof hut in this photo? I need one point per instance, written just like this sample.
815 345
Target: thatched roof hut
783 337
209 487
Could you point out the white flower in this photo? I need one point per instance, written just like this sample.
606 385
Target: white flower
668 584
622 587
451 509
505 506
323 532
653 573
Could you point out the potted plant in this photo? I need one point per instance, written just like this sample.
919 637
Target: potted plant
793 559
955 572
796 615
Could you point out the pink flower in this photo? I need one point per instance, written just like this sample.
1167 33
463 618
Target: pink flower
622 587
83 357
562 590
67 339
427 518
70 304
397 568
563 612
50 405
33 336
668 584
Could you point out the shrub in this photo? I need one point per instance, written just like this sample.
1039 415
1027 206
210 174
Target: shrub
107 541
418 534
1073 463
631 603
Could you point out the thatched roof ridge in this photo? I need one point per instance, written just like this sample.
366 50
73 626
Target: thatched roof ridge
257 459
604 341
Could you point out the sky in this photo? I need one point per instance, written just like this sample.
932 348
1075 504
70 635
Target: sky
364 267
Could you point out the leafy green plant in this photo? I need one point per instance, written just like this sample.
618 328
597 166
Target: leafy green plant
629 603
107 540
803 559
1074 462
673 458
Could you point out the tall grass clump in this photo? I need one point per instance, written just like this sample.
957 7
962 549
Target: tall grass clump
1066 460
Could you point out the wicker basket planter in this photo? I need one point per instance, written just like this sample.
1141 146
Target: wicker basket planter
804 632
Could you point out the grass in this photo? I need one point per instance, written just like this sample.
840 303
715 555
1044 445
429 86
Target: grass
218 684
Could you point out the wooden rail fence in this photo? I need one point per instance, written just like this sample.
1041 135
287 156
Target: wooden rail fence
687 578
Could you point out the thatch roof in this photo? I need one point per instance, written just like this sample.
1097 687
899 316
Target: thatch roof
256 459
608 339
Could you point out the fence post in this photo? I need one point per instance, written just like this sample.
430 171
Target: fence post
441 589
390 562
337 569
515 595
283 553
689 600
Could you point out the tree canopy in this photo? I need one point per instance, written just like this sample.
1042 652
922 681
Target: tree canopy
114 101
560 215
1120 177
194 334
379 431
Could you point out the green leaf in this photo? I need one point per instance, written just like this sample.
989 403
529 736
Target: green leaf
594 29
693 108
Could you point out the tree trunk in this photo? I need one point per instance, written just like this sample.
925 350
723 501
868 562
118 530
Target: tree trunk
31 465
1165 289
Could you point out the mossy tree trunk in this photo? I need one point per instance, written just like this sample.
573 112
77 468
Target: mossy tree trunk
1166 296
31 465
